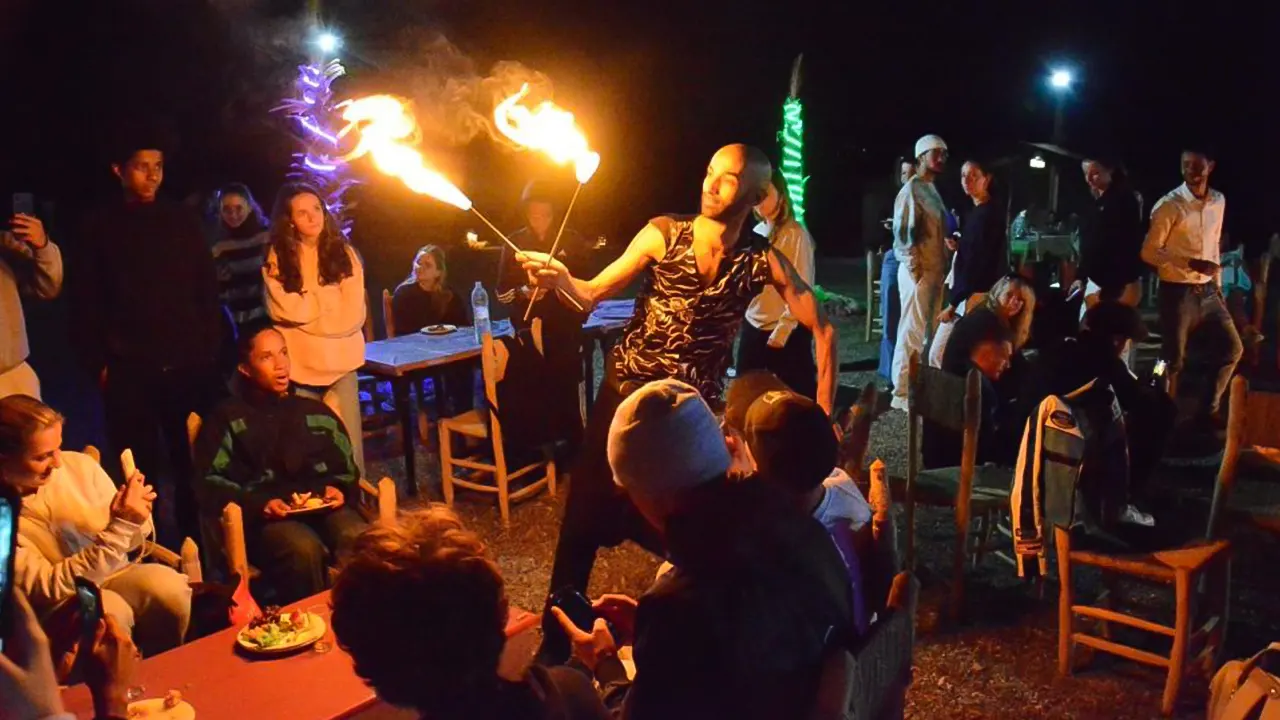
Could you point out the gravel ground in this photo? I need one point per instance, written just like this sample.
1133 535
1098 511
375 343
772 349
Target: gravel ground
999 663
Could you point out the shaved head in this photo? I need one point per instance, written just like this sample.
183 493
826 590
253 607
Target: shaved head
737 180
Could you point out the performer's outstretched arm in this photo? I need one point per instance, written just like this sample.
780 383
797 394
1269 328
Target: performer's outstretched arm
647 246
808 311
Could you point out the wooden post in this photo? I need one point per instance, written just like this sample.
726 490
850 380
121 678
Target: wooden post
871 292
1181 633
191 561
1062 544
913 457
386 501
964 494
1237 414
233 540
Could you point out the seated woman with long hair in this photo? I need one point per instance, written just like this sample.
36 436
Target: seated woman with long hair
1011 299
425 298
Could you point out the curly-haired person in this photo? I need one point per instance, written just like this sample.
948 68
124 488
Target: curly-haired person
423 613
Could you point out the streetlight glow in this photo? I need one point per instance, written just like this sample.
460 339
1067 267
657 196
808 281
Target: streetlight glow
328 42
1060 79
1037 163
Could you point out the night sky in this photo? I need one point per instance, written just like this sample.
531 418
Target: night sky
658 86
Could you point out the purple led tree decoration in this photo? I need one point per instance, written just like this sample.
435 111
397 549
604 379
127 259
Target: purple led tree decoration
320 163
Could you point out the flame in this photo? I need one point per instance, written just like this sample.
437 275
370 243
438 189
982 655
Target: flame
547 128
389 132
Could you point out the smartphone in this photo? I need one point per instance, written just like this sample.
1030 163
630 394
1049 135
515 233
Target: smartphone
578 608
24 204
89 597
10 510
1158 370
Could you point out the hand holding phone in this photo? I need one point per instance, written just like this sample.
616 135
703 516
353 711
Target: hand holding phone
10 511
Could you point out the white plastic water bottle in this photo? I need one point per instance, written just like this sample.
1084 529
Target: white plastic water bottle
480 310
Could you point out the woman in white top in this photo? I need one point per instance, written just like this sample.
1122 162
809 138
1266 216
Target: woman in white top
315 293
76 523
771 338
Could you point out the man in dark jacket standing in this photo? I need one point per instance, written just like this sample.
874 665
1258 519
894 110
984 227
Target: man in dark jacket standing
739 627
262 447
146 320
1111 265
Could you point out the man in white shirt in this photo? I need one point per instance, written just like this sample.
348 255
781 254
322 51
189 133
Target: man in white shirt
1183 246
919 229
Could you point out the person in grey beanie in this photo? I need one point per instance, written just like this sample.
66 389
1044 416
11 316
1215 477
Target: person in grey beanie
758 593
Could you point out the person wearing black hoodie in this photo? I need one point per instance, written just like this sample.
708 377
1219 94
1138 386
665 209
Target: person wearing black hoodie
1110 238
147 325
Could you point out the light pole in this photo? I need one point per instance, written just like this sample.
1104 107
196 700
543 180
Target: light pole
1060 82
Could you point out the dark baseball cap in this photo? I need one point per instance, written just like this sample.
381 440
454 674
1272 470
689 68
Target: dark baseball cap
791 439
744 391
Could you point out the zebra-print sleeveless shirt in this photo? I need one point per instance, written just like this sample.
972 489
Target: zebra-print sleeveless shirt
681 329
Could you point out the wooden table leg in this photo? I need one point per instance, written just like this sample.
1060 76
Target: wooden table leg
401 388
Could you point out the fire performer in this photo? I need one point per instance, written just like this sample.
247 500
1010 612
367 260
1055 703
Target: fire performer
701 272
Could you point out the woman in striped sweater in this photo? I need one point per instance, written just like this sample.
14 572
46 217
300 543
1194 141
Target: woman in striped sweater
238 253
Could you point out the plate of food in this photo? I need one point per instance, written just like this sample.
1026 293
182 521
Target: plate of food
169 707
276 631
300 503
439 329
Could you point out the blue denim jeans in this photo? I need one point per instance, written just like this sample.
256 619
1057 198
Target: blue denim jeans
1184 309
890 312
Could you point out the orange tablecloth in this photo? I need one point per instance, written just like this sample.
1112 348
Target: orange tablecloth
220 682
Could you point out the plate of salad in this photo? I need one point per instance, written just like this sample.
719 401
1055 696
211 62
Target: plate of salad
276 631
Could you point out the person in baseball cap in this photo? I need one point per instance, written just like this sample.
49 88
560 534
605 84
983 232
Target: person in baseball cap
920 229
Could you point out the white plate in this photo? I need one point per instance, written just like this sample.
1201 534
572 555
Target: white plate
308 510
153 709
438 329
315 630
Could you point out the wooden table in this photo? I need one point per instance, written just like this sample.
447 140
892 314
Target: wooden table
406 359
220 682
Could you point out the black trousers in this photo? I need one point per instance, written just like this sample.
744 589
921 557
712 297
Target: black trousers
294 554
792 363
146 410
597 514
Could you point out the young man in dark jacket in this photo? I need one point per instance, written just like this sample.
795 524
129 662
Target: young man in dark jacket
1111 266
265 446
146 320
739 627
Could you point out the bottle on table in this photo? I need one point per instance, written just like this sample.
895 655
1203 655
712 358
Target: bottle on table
480 311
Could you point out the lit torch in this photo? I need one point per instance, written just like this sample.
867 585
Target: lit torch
389 135
551 130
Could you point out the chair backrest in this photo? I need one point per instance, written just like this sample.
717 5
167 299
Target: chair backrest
388 318
493 366
1247 427
368 319
952 402
194 423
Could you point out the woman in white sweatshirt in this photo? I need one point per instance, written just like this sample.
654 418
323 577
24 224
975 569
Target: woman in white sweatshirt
315 293
76 523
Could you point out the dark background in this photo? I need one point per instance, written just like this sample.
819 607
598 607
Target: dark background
658 86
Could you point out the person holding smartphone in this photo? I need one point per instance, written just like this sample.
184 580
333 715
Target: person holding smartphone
76 523
30 264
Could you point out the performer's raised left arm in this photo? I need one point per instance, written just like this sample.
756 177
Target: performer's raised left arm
808 311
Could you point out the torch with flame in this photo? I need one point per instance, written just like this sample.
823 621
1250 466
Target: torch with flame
551 130
389 135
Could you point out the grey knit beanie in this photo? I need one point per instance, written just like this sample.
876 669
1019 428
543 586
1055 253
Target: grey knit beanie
664 438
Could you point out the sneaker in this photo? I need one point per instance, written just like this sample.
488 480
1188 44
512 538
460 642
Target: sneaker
899 403
1133 516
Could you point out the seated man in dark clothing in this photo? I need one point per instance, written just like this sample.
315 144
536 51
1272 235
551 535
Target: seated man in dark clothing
265 450
1096 356
422 611
738 628
989 350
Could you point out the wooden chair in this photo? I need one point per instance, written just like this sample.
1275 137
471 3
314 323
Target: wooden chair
374 503
485 425
159 553
874 320
971 490
1200 574
388 318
